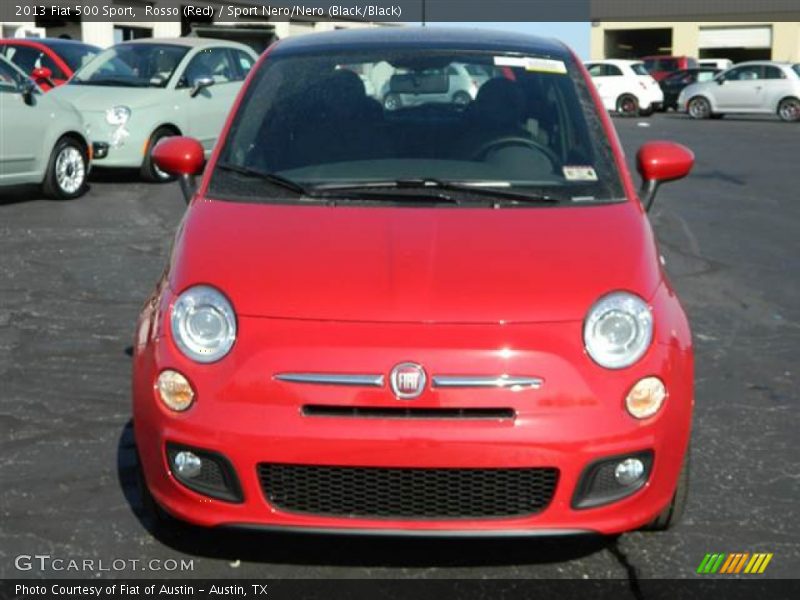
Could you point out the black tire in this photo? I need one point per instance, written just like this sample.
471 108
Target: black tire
699 108
462 98
65 177
149 171
789 110
673 512
628 105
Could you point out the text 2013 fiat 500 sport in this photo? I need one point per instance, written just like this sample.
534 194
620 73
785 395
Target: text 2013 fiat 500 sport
437 319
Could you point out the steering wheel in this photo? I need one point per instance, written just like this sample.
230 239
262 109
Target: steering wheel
514 140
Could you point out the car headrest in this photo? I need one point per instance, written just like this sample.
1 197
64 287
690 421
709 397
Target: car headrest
500 100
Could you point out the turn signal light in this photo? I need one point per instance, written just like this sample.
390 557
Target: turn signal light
646 397
175 390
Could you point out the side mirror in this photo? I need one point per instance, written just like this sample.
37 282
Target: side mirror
28 90
720 80
183 157
658 162
201 83
43 74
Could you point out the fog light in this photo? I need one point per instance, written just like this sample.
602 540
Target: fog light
629 471
175 390
187 464
646 397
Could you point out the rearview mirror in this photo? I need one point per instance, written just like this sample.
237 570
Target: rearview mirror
201 83
43 74
181 156
658 162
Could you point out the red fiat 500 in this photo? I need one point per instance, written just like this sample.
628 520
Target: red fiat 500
435 318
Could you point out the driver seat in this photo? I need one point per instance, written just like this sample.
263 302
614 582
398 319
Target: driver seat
497 112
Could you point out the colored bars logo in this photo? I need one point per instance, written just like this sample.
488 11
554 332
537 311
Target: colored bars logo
730 564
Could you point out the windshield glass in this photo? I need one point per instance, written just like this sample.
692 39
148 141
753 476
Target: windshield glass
132 65
661 64
417 119
796 69
639 69
75 55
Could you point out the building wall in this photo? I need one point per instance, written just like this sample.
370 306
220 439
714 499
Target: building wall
685 35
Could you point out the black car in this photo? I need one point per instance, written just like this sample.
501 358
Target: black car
675 82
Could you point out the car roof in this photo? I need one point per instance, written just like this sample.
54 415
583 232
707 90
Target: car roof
188 42
423 37
774 63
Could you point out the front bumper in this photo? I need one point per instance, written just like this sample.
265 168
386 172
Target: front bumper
574 419
122 147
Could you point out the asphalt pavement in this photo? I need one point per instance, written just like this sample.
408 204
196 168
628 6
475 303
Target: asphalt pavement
73 275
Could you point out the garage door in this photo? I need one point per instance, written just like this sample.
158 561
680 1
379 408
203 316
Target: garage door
736 37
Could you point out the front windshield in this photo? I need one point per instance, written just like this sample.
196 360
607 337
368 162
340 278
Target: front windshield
132 65
75 55
424 119
796 69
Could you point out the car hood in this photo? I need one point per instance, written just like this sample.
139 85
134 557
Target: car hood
100 98
399 264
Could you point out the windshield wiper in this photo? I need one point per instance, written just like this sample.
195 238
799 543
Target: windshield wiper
476 188
332 194
272 178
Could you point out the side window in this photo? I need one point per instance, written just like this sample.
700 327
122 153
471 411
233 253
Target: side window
210 62
8 80
23 57
596 70
773 73
244 61
748 73
613 71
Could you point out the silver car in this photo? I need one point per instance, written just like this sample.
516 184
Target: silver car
136 93
453 85
42 138
751 87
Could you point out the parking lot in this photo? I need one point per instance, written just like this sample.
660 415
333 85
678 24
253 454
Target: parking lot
73 274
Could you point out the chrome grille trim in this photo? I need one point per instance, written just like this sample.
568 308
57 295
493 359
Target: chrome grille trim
356 380
486 381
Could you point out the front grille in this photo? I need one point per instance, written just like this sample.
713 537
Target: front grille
407 492
403 412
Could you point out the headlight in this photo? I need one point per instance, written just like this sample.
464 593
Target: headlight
618 330
203 324
118 115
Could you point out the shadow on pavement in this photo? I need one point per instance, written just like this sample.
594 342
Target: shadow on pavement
345 550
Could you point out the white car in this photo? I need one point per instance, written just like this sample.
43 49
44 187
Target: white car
625 86
764 87
42 139
407 88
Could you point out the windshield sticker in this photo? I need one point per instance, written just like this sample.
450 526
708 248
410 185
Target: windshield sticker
579 173
530 63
